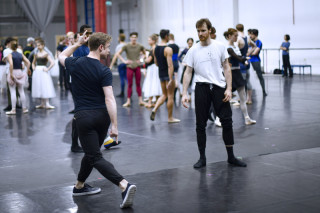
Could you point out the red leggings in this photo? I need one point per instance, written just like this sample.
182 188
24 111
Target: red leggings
137 73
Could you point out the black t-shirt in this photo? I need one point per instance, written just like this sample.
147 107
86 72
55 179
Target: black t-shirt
27 50
61 47
88 77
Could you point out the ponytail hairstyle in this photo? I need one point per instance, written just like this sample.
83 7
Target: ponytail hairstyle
230 32
154 37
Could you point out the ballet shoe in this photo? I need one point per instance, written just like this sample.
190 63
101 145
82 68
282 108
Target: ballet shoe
12 112
40 107
25 110
173 120
126 105
249 121
50 107
153 115
142 104
249 102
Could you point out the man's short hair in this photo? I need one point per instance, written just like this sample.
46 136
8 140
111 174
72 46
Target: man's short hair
97 39
255 32
134 33
171 36
249 31
190 39
122 37
84 27
287 37
202 21
213 30
8 40
164 33
240 27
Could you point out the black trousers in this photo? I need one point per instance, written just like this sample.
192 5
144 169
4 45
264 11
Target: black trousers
257 67
63 77
92 126
205 95
286 65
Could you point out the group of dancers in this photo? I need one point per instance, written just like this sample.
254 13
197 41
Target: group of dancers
216 69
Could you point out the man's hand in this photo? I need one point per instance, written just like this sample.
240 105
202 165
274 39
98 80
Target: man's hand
170 84
185 100
128 62
83 38
227 95
114 132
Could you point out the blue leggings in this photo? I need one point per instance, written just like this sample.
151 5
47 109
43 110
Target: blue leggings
122 69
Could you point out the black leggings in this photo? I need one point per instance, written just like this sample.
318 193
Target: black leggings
93 126
286 65
257 67
205 95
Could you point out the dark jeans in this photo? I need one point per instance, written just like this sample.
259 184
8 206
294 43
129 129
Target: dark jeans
63 78
286 65
257 67
205 95
93 126
122 69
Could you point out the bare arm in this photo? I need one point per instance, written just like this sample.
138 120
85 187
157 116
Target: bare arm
118 54
26 62
9 60
186 82
34 61
255 51
113 60
112 110
68 52
50 59
228 76
240 42
168 54
149 59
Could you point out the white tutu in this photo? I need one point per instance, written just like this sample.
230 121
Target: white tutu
3 79
42 85
151 85
54 71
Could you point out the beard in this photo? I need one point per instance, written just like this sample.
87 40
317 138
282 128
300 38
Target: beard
203 38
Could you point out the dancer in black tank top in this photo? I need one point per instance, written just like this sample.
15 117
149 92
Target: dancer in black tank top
163 59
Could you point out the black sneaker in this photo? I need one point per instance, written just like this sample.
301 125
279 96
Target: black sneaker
77 149
127 196
8 108
200 163
86 190
236 162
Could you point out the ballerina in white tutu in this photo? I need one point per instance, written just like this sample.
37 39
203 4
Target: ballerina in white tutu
42 85
151 85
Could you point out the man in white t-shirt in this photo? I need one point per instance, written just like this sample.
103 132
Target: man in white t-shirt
212 73
6 52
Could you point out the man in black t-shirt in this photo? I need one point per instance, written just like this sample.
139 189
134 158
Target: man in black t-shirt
95 108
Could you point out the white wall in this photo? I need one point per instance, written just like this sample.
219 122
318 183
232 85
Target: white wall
273 19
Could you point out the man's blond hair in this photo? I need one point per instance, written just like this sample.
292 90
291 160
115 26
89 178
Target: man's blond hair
97 39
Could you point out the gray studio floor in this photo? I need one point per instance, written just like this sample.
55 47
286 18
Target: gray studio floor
37 169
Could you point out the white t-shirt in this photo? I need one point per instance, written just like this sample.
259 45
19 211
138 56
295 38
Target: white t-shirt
6 52
207 62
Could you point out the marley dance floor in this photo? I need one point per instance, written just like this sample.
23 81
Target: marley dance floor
37 169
